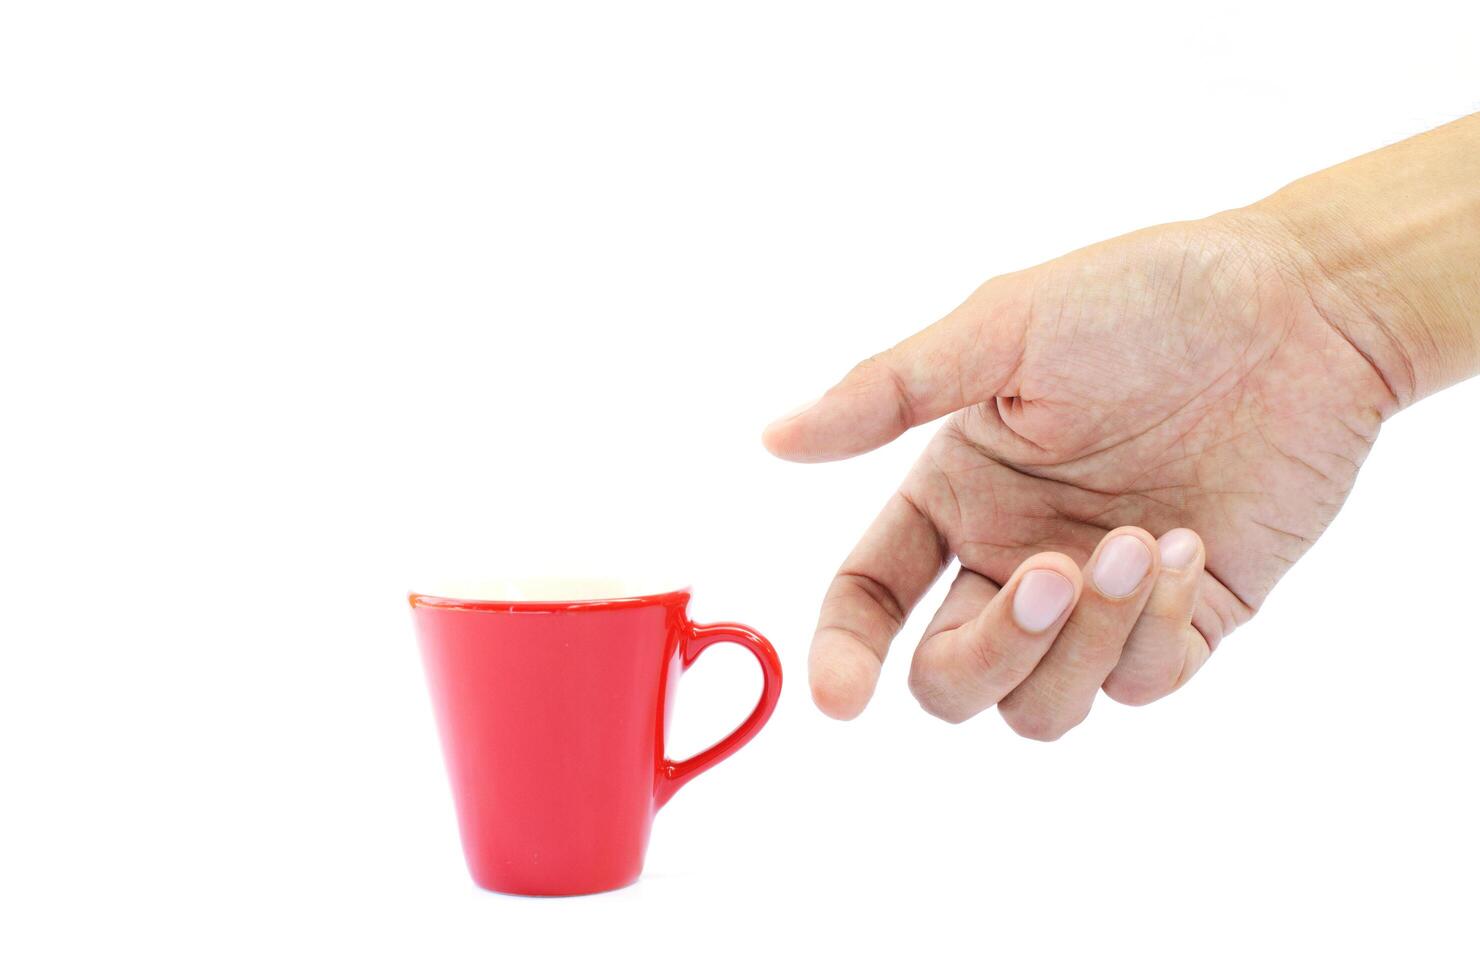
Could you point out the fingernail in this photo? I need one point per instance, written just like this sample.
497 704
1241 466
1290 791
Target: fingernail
1178 548
796 411
1041 598
1121 565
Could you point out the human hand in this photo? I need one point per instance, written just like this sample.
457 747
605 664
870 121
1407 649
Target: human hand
1196 376
1225 377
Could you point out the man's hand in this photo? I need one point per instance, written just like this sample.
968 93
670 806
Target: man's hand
1227 375
1187 376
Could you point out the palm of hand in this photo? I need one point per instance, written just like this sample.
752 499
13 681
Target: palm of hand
1175 378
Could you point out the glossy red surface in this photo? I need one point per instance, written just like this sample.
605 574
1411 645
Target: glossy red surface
552 717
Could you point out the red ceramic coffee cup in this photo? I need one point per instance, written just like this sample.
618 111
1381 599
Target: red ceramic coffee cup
552 716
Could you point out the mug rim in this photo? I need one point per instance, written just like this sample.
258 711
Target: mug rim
677 596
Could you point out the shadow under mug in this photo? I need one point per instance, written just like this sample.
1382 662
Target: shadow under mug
552 717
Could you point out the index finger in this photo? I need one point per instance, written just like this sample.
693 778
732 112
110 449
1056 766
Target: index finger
888 571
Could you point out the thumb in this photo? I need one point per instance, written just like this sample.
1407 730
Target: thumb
965 358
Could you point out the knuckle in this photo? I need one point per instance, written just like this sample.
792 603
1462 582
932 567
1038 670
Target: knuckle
1092 645
880 371
991 661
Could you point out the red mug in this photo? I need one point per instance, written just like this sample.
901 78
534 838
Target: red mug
552 714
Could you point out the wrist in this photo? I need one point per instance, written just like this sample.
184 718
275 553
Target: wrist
1388 246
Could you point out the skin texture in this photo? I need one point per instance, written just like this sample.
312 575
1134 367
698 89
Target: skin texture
1182 376
1142 437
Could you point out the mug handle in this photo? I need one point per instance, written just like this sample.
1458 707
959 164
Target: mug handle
672 774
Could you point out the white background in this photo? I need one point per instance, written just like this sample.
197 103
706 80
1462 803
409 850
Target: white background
298 298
